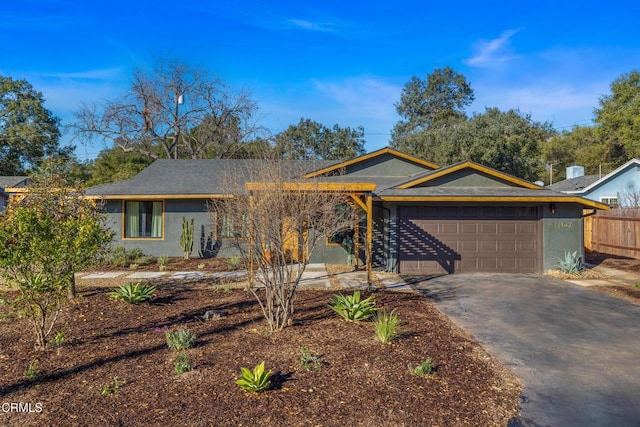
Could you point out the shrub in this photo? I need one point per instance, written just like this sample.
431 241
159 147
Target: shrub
256 380
133 293
351 308
571 263
134 266
234 262
387 326
180 340
181 364
423 369
144 260
58 339
121 257
108 389
32 371
162 262
309 361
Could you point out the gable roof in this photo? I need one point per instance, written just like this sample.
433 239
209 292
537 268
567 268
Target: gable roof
574 184
432 175
368 156
608 177
190 178
7 182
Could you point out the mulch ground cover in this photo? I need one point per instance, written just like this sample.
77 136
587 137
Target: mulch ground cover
361 381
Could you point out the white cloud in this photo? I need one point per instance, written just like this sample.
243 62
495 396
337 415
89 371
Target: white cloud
363 96
488 52
562 104
312 26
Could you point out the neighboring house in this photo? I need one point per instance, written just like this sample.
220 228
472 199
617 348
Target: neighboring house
423 219
620 187
11 186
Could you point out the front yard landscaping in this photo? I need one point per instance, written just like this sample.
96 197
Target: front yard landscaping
112 365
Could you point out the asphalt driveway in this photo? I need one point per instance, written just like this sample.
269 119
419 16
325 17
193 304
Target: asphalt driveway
577 351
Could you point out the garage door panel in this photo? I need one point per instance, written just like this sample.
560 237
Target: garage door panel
450 227
507 245
498 239
468 228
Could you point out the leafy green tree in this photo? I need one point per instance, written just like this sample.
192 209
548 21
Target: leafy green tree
172 111
507 141
312 140
619 113
586 146
44 239
28 131
437 102
114 164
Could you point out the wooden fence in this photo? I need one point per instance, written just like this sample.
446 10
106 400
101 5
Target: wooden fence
615 232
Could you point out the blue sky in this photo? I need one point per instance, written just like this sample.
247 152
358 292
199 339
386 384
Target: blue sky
331 61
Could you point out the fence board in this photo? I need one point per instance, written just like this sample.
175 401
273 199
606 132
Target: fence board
615 232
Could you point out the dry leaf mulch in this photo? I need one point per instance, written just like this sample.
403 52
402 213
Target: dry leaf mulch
361 382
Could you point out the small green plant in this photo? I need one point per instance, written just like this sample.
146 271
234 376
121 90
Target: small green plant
121 257
162 262
107 389
256 380
144 260
308 361
234 262
351 308
387 325
133 293
133 266
225 288
186 238
181 364
201 266
423 369
32 371
571 263
180 340
58 339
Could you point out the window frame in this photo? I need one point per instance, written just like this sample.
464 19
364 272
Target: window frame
607 201
124 219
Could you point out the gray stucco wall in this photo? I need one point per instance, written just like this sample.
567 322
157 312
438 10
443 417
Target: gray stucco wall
204 244
562 231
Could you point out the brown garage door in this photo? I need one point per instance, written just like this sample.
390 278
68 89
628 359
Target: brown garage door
448 239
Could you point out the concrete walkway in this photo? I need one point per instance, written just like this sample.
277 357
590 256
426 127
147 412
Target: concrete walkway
315 276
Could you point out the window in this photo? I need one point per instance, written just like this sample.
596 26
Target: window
143 220
611 201
228 227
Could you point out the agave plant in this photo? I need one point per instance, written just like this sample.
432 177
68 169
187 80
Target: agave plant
351 308
256 380
133 293
571 263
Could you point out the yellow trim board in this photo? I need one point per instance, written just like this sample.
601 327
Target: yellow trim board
159 196
474 166
495 199
371 155
312 186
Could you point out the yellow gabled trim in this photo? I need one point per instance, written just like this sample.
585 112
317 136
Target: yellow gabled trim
17 190
313 186
371 155
360 203
159 196
475 166
495 199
